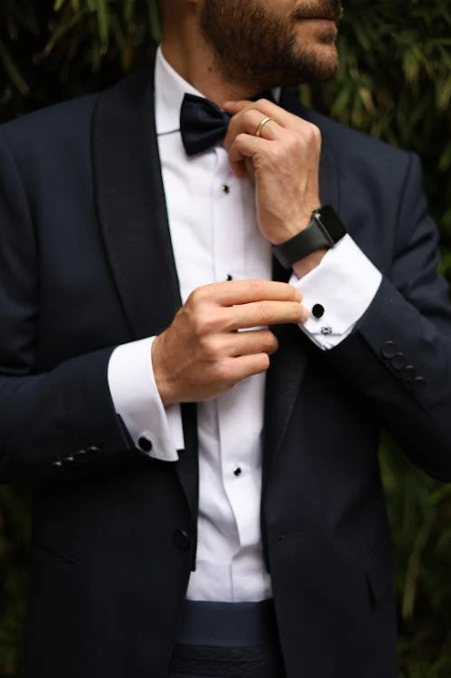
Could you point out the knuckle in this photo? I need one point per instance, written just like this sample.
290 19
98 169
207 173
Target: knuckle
297 143
256 288
197 296
262 311
248 116
315 134
242 139
223 373
203 325
210 346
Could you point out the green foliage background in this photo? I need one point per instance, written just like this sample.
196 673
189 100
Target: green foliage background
395 83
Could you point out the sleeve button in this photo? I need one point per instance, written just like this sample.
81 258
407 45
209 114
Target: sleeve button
92 449
389 350
418 385
399 361
409 373
182 540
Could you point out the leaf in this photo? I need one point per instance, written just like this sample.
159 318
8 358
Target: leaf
12 70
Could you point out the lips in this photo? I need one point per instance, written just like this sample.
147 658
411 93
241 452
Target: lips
329 14
322 18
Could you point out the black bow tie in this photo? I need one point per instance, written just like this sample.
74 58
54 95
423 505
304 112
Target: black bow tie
202 124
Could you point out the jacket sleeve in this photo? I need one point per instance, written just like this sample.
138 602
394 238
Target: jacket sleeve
399 355
61 423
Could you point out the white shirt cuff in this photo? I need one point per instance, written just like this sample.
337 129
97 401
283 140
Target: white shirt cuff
341 288
137 400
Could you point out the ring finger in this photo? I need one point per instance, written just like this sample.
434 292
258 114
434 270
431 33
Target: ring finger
249 122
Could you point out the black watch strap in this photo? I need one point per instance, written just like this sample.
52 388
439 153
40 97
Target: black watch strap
324 231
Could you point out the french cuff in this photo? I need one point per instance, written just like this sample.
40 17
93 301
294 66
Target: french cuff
155 429
337 293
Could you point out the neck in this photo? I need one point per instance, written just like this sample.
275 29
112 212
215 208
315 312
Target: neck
189 55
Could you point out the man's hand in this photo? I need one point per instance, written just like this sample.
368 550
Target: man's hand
284 162
202 354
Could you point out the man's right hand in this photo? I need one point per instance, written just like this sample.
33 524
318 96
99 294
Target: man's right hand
202 354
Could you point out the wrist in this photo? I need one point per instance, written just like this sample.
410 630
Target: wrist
162 382
293 228
307 264
324 231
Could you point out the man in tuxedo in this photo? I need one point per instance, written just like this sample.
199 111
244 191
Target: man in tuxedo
211 302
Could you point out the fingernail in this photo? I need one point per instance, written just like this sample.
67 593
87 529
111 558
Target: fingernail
305 315
298 295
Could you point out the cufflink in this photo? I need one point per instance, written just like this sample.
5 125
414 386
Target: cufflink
318 311
145 443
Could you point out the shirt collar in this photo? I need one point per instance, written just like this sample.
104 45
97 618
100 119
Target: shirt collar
170 89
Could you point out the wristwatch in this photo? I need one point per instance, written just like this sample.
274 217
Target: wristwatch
324 231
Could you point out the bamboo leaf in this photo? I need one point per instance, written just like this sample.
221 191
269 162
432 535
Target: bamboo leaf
12 70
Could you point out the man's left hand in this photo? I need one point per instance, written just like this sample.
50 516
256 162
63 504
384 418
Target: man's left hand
284 163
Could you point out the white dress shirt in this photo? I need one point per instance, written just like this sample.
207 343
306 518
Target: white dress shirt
215 235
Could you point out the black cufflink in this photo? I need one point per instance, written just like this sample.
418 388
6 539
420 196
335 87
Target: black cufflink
318 311
145 444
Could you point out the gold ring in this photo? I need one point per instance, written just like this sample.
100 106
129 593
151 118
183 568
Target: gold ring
261 124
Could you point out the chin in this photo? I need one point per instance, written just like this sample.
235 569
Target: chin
325 59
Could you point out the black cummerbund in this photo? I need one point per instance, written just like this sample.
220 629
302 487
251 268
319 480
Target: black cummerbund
222 640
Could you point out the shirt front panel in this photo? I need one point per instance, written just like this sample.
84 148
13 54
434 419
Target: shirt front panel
215 236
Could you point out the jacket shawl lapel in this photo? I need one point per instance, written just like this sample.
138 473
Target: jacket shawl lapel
288 365
133 217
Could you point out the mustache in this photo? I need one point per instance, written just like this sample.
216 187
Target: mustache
331 10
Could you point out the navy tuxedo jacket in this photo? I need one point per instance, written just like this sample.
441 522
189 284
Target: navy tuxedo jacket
86 264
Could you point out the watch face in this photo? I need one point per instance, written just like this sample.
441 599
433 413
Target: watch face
331 223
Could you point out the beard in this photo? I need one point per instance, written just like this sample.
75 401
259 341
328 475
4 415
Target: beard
258 49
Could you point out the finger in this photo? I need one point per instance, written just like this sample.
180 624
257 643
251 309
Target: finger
267 108
243 153
236 106
246 146
248 122
246 366
238 292
266 313
247 343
